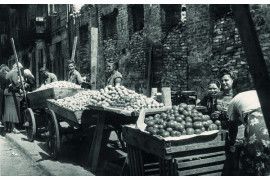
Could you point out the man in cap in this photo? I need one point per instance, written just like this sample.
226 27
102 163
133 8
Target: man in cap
47 77
73 75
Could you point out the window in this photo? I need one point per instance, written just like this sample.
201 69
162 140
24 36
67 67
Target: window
135 18
218 11
109 25
170 16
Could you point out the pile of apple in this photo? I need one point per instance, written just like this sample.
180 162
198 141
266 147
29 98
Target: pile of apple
77 101
180 120
60 84
123 98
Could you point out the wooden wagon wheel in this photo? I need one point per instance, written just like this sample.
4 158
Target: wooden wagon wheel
53 134
31 127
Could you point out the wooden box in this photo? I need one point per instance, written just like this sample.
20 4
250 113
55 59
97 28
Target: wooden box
200 155
37 99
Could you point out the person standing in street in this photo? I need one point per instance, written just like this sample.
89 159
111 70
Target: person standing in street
115 77
12 99
3 84
252 144
224 97
73 75
47 77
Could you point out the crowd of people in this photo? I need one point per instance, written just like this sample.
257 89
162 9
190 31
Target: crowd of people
231 100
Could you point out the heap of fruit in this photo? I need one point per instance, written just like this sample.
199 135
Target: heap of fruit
78 101
59 84
180 120
123 98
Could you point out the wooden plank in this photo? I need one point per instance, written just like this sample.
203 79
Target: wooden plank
74 48
153 92
96 143
254 55
194 146
130 162
200 161
166 96
94 57
219 173
37 99
140 161
200 170
199 156
66 113
145 142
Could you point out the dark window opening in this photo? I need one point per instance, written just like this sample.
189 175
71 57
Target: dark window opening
109 25
218 11
170 16
135 18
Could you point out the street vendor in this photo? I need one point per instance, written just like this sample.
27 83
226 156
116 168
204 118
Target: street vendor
73 75
47 77
12 99
29 79
115 77
248 134
210 99
224 97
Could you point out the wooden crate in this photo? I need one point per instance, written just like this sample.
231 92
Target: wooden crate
74 116
200 155
37 99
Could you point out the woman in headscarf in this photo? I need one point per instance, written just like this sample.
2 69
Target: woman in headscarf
12 99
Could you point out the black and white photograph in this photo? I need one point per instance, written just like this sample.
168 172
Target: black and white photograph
134 89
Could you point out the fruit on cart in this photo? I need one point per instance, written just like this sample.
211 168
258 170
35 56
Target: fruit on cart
165 134
190 131
180 120
123 98
60 84
213 127
76 102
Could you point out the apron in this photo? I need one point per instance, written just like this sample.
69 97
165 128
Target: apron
255 155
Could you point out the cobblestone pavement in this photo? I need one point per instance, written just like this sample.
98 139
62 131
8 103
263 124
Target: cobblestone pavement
15 163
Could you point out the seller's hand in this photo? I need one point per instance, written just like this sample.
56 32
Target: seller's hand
215 115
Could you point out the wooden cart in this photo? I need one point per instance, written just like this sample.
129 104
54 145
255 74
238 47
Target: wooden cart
201 155
56 114
115 117
37 106
154 155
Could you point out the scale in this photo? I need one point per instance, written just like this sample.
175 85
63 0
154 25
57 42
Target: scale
188 97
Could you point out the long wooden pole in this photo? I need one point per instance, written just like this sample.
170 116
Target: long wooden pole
257 65
17 62
74 48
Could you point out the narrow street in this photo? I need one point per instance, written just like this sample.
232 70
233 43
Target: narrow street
14 162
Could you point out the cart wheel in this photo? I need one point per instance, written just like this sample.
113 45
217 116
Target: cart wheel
31 129
54 137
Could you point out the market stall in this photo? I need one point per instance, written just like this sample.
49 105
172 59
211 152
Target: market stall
188 151
109 106
37 104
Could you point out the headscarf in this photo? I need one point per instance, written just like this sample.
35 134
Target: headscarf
27 72
15 68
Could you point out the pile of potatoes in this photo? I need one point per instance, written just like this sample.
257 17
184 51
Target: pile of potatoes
123 98
59 84
117 97
78 101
